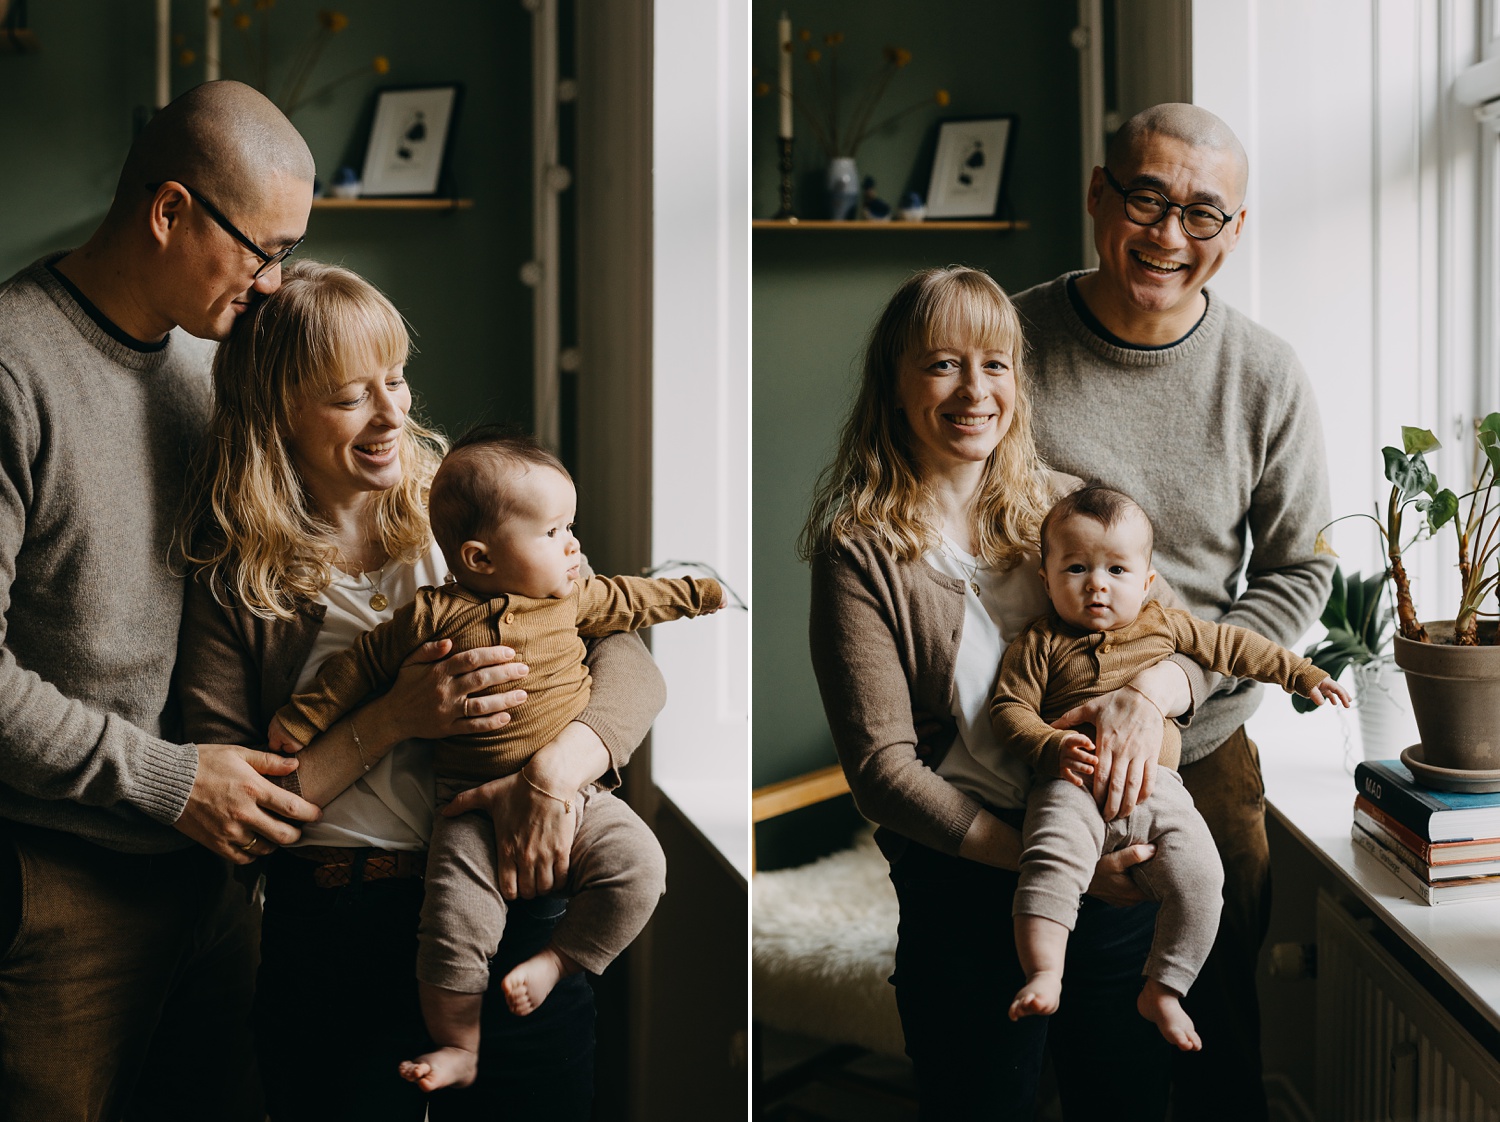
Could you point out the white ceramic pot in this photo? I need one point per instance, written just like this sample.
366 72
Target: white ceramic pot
1381 700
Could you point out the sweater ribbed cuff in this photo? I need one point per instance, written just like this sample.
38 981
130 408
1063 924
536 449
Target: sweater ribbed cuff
167 773
612 739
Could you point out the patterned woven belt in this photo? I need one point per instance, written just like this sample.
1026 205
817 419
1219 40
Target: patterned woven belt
336 867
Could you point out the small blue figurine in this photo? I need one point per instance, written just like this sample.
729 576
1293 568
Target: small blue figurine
912 208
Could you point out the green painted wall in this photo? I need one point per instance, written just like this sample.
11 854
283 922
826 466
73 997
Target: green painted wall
66 120
816 294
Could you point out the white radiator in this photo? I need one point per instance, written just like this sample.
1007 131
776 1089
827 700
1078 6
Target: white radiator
1386 1049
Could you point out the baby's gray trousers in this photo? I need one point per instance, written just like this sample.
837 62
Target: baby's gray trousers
616 875
1064 836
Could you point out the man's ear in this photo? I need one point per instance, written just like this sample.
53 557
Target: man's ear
166 214
475 556
1095 192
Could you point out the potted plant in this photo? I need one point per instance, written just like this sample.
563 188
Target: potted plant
1358 639
1452 665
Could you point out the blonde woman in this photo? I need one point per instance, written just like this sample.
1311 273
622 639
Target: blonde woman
922 539
308 527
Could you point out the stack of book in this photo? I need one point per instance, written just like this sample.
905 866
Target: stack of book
1445 845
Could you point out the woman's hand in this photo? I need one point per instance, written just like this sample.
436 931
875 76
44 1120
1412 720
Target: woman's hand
432 696
1127 739
533 833
533 830
1112 882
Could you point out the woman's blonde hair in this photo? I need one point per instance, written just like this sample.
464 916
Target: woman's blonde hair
250 525
874 484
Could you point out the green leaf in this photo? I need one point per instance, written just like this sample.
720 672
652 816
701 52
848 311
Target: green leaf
1444 506
1354 604
1372 622
1333 612
1416 441
1410 473
1488 435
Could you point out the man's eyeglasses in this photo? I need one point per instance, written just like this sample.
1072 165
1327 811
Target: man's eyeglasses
1146 208
268 261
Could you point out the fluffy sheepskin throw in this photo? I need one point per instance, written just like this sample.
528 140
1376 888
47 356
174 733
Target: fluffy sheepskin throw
825 946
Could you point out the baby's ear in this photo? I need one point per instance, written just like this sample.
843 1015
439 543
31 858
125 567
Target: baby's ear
1150 578
475 556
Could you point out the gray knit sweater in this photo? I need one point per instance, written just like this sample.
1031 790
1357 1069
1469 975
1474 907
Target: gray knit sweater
1218 438
94 442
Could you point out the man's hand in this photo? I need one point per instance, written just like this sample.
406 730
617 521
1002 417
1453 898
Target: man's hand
533 833
1112 882
1128 743
235 811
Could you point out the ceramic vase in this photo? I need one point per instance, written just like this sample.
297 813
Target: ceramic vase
843 188
1381 702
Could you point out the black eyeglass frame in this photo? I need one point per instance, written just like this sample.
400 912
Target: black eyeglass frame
1167 207
268 260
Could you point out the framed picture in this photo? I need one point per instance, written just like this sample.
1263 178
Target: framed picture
968 168
409 140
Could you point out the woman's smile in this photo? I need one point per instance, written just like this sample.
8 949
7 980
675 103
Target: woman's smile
348 442
958 402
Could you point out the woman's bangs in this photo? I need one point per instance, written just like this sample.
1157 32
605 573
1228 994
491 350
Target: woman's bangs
361 335
969 315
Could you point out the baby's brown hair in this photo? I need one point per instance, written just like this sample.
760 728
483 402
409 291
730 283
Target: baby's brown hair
1107 506
471 492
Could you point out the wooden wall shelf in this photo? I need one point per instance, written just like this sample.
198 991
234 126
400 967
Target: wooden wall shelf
392 204
934 226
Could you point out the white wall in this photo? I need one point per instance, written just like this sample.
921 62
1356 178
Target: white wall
1361 241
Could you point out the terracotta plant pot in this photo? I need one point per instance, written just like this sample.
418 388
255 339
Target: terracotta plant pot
1455 697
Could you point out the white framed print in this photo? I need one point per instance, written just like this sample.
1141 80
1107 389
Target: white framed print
968 168
409 140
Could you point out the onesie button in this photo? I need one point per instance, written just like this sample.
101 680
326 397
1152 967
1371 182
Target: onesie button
510 617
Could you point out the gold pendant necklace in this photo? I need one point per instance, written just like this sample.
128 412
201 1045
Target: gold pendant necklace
377 597
972 570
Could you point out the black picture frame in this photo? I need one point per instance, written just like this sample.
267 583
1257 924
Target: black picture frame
410 141
969 166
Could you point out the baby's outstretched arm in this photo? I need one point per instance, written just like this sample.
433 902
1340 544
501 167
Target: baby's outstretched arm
1329 690
281 740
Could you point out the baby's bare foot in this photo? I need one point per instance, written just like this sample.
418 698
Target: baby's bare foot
1163 1008
1038 997
528 985
446 1067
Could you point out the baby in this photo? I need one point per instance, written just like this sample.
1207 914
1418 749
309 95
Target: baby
502 511
1096 567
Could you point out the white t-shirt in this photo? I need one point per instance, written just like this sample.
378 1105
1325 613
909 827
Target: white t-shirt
1005 603
391 805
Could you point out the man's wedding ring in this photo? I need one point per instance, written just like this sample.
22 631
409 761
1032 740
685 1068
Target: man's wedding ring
249 845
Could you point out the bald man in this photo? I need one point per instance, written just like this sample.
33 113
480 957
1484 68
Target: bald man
127 952
1142 378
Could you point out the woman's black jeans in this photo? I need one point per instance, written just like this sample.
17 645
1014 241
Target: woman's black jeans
957 971
336 1011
